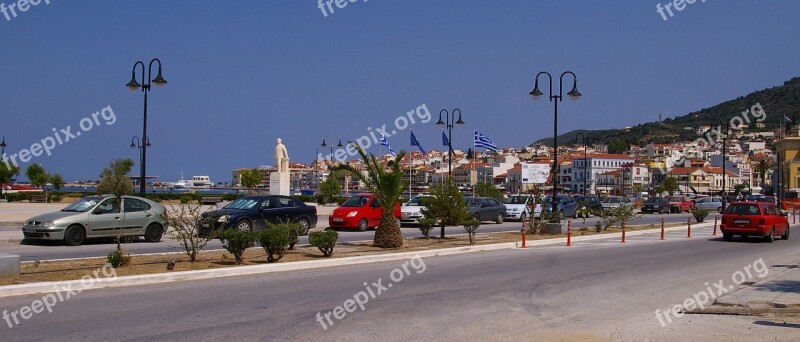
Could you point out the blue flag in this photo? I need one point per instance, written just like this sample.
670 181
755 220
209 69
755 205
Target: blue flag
445 142
415 142
385 142
484 141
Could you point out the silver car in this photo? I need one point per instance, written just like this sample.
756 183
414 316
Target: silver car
99 216
709 203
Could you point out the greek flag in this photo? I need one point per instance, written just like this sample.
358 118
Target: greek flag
484 141
786 118
415 142
385 142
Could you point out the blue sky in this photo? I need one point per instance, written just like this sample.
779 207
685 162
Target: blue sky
243 73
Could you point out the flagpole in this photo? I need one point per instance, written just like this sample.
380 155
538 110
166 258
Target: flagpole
410 163
474 154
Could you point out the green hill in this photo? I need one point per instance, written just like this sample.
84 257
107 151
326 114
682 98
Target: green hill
776 101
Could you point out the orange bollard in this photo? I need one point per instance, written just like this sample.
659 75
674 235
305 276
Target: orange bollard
523 234
623 232
715 226
662 228
688 228
569 233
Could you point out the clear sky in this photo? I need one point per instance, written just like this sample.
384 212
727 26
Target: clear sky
243 73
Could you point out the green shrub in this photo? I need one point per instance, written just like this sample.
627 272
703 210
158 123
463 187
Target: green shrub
471 226
699 214
275 241
56 197
236 242
118 257
426 225
324 240
295 231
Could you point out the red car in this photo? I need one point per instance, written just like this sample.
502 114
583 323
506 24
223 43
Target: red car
679 204
754 218
360 212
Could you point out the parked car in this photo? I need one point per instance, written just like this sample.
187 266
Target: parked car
656 205
518 207
754 218
679 204
362 211
612 202
254 213
711 203
486 209
565 206
591 202
99 216
411 211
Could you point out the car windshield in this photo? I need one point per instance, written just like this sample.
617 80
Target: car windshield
515 200
356 201
547 199
242 204
654 200
744 209
416 202
83 204
473 202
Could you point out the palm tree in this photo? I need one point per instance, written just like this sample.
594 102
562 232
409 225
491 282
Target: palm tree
388 186
761 169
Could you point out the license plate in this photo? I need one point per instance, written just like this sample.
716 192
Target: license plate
338 219
741 221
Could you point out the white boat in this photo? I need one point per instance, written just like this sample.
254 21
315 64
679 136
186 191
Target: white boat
202 182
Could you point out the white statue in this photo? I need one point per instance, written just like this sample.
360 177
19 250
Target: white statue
281 157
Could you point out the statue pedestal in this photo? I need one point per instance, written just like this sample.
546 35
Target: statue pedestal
279 184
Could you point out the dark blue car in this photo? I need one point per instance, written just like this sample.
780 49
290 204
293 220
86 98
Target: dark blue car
253 213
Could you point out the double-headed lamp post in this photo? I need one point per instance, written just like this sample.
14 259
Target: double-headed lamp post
449 121
324 144
140 144
585 140
145 86
555 99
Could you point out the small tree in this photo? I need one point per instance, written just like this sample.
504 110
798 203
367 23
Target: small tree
57 180
446 205
250 178
617 215
185 229
275 242
7 172
486 189
114 179
237 242
471 226
295 230
330 188
324 241
37 176
426 225
668 185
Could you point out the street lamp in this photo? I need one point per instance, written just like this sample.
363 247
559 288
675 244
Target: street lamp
137 143
573 95
724 152
449 121
3 154
585 139
339 145
145 86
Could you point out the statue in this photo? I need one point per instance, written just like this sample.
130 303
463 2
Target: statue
281 157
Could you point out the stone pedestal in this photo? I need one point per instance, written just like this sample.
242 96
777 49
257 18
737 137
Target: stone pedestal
9 266
279 184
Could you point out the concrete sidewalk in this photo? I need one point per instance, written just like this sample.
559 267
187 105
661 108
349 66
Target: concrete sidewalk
780 291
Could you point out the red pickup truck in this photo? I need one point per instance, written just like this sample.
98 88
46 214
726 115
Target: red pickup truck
679 204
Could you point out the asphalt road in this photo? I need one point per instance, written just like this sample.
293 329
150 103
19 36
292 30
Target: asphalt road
594 290
37 250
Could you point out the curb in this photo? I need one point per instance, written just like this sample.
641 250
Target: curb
160 278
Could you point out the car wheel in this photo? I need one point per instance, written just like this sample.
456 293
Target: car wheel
399 223
561 214
523 217
363 225
305 223
499 218
727 236
785 236
771 236
477 217
153 233
244 226
74 236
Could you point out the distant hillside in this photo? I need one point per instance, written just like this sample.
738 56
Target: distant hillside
776 101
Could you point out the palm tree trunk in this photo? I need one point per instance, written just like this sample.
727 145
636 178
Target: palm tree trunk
388 234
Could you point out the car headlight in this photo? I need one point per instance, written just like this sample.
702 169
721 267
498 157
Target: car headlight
352 214
48 223
223 218
515 210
